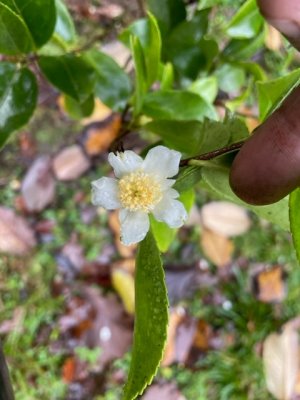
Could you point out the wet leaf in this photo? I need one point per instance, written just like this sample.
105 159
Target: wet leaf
151 321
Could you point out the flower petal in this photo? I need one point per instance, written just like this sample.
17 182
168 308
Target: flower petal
162 161
134 226
170 211
124 163
105 193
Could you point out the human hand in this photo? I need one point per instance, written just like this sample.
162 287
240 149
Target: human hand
267 167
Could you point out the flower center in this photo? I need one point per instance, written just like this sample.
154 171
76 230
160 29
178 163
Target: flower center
139 191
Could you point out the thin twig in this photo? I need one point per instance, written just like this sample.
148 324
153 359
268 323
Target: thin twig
215 153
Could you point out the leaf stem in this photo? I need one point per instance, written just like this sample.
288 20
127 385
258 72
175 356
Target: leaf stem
213 154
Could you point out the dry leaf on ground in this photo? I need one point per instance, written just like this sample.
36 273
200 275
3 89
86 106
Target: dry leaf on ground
281 362
38 186
166 391
270 285
70 163
217 248
98 136
225 218
16 236
123 283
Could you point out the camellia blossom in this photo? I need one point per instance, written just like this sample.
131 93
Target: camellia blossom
142 187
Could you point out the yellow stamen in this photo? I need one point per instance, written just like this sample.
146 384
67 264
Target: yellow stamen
139 191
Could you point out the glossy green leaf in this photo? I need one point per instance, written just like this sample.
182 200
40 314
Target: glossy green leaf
177 105
18 97
272 93
39 16
163 234
71 74
140 74
15 37
230 77
218 182
64 27
79 110
294 205
169 13
64 37
206 87
113 86
151 318
247 22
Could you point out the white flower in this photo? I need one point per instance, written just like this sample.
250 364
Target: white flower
141 187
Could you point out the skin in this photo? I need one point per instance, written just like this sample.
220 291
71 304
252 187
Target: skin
267 168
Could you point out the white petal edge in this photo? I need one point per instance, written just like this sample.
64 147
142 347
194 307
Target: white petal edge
162 161
105 193
170 211
134 226
124 163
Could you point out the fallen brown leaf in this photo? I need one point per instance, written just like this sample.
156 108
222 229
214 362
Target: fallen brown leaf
281 362
16 236
38 186
225 218
217 248
270 285
98 136
166 391
70 163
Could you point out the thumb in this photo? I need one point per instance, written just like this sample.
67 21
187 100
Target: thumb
284 15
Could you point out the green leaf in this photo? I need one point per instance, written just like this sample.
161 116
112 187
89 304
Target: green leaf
163 234
187 178
147 31
247 22
113 86
64 27
15 37
79 110
272 93
166 76
177 105
193 137
217 180
151 320
64 36
168 13
295 219
245 48
71 74
18 97
186 48
230 77
206 87
39 16
140 74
